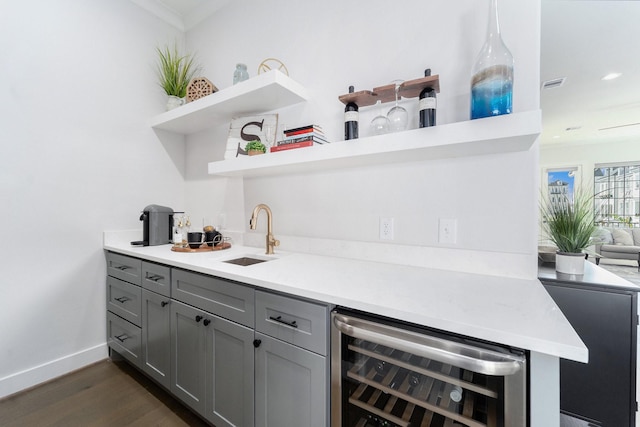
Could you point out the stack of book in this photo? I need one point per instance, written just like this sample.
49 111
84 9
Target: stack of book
300 137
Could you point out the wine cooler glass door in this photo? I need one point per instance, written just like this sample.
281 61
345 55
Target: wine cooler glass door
385 376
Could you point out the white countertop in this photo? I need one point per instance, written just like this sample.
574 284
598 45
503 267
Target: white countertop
515 312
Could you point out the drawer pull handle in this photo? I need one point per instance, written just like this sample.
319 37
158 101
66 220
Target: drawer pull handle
164 303
122 267
122 300
154 278
206 322
198 318
278 319
122 338
256 343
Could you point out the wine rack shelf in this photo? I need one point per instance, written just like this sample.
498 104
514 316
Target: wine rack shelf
493 135
387 93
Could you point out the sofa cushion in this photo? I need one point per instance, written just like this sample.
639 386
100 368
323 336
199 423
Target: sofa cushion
636 236
609 250
603 235
622 237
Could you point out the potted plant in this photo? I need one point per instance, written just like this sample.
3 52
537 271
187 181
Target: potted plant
175 71
570 225
255 147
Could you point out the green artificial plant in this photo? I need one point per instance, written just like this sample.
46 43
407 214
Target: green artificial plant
255 145
175 71
569 225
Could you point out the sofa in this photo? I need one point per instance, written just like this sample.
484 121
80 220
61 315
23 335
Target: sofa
618 243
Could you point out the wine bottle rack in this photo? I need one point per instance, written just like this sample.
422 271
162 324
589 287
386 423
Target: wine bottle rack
397 388
387 93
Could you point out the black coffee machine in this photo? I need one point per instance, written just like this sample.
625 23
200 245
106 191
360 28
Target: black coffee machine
157 225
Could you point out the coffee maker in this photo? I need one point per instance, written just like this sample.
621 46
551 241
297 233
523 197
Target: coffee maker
157 225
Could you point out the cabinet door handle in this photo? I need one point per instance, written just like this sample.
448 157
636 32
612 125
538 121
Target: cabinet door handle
198 318
154 278
206 322
164 303
278 319
122 338
122 300
256 343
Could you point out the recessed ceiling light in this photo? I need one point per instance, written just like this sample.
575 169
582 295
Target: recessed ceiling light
611 76
555 136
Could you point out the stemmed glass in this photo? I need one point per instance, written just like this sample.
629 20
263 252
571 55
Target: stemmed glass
269 136
380 123
398 117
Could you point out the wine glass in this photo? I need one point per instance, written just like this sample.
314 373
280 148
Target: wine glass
380 123
269 135
398 116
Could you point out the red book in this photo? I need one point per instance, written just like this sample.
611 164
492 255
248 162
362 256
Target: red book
291 146
302 130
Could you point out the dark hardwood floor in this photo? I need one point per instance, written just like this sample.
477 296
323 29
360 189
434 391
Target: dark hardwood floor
108 393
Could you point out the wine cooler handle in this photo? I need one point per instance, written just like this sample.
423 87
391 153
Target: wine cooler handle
476 359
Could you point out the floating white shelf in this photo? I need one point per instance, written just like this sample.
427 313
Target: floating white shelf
493 135
264 92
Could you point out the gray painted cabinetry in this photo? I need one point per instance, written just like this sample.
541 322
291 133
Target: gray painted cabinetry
235 355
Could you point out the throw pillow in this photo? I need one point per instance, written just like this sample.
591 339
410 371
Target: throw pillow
602 235
621 237
636 236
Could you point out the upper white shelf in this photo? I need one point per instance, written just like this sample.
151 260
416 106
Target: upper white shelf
264 92
492 135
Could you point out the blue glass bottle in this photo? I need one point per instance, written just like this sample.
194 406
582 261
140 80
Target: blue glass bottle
492 73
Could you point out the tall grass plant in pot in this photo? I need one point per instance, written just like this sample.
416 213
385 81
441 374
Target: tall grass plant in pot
570 225
175 71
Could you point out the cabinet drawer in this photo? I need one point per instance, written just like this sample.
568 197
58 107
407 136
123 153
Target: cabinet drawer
124 299
125 338
156 278
231 300
294 321
124 267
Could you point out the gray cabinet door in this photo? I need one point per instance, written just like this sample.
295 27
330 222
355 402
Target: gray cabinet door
156 337
291 385
188 355
229 371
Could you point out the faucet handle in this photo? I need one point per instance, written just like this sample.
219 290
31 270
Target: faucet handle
276 243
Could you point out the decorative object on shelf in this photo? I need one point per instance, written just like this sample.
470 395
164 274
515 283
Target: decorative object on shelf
247 129
380 123
304 136
492 73
427 105
175 71
240 74
397 115
272 64
199 87
570 225
253 148
350 119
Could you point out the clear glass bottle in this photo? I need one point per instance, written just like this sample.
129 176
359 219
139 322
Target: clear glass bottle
240 74
492 73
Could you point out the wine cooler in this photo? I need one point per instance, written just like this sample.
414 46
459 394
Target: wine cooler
388 374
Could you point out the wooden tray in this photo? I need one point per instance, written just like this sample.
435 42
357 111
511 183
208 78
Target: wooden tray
203 248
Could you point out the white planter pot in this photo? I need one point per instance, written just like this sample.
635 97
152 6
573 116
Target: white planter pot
174 102
570 263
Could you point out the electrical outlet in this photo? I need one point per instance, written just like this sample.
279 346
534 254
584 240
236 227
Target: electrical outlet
447 232
386 228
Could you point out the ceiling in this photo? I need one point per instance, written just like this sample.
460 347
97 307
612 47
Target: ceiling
582 40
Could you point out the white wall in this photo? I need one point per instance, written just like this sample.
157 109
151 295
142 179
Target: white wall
330 45
76 157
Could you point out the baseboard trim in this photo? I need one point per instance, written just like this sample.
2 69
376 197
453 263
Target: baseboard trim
28 378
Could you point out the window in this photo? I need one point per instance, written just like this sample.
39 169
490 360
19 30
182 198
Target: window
617 195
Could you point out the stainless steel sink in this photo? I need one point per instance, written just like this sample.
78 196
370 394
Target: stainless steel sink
245 261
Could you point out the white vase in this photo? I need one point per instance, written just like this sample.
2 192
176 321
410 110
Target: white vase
174 102
570 263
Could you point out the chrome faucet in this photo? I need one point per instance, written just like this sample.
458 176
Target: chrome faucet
271 241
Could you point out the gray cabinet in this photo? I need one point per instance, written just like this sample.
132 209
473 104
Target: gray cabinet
606 319
212 365
291 385
291 368
156 337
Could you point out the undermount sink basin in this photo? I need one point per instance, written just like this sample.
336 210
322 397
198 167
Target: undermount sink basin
245 261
